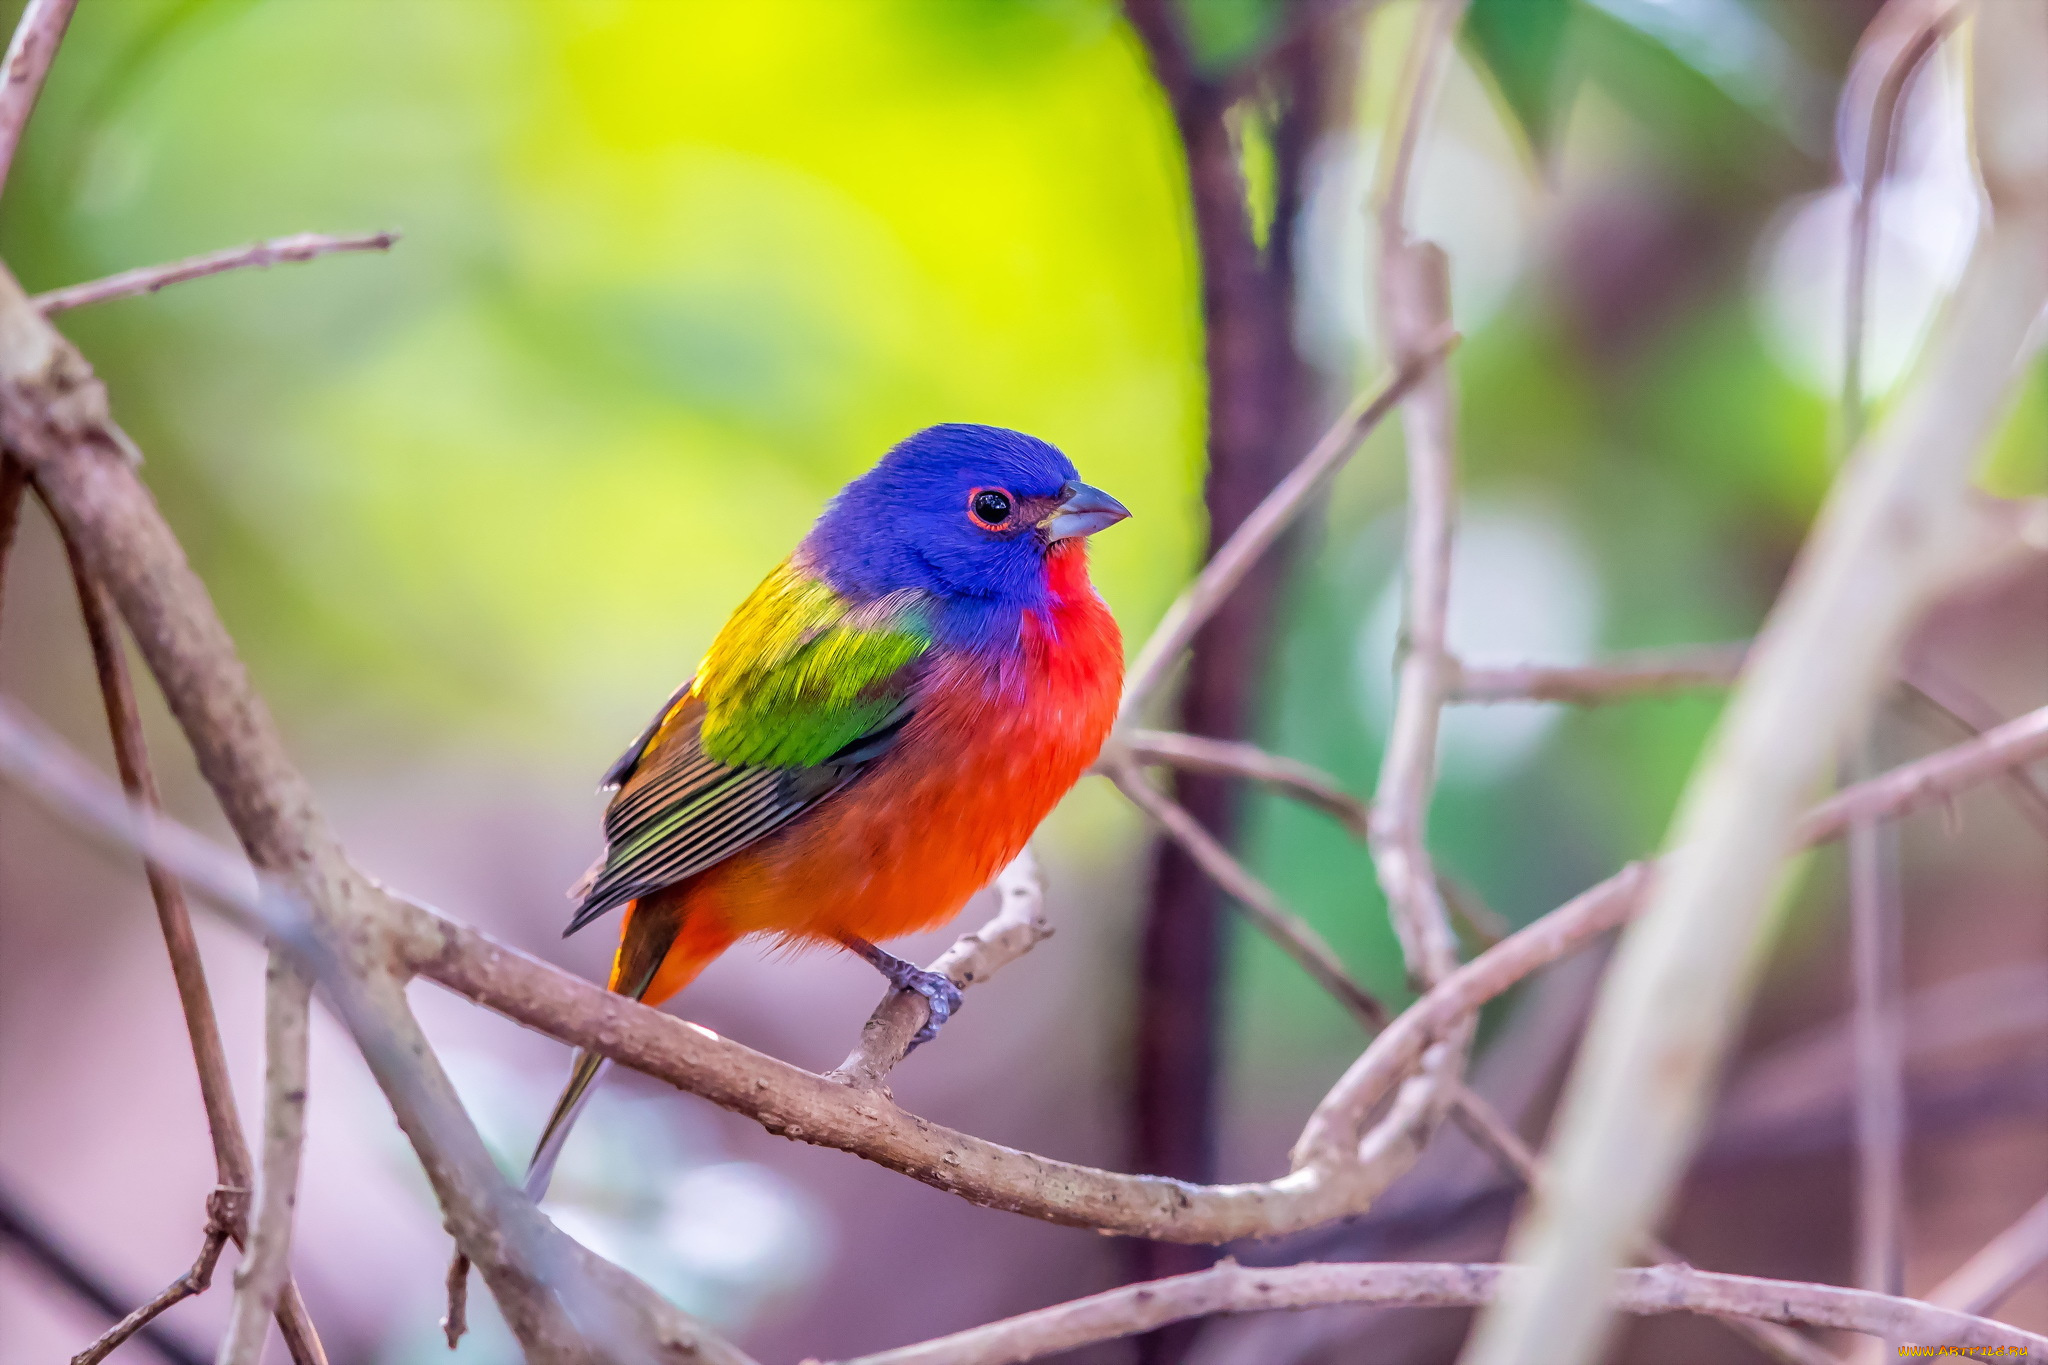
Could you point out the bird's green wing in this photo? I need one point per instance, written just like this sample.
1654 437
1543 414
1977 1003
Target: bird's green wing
799 691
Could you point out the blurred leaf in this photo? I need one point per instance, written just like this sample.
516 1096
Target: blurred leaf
1223 33
1737 51
1521 43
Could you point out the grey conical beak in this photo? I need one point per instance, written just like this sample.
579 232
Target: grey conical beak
1082 512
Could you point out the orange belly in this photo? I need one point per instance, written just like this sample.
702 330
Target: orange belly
985 759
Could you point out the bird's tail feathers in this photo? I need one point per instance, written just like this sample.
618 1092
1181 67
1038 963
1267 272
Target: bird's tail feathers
657 940
575 1095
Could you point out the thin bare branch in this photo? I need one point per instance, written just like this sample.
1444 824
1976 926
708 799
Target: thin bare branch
234 1170
2000 1266
1899 528
1650 672
1019 925
29 55
1233 758
188 969
261 1277
1415 286
1233 1288
1415 305
224 1213
1228 566
1288 931
303 246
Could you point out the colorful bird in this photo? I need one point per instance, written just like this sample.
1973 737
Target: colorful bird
873 735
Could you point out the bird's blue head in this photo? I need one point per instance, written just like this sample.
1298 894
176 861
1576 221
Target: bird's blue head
970 514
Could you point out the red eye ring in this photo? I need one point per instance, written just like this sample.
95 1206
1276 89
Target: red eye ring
990 508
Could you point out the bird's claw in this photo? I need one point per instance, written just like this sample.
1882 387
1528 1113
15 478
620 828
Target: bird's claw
936 987
940 994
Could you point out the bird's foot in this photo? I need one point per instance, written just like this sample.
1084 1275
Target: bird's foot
939 992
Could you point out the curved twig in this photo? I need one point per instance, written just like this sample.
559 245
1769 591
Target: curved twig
1234 758
1288 931
1233 1288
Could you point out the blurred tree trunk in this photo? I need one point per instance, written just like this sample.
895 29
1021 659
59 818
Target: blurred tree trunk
1261 402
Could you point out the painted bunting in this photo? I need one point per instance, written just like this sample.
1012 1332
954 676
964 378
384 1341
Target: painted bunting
873 735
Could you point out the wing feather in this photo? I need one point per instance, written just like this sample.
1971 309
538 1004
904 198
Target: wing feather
798 695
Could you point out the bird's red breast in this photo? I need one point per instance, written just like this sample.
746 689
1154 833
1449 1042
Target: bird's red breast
997 739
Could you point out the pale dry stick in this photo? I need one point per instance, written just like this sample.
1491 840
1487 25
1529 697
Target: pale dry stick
303 246
1257 532
1415 287
287 1000
1018 926
1899 528
224 1213
794 1103
1485 1126
2000 1266
1233 1288
1234 758
1415 305
53 416
234 1170
29 54
1876 948
1649 672
1288 931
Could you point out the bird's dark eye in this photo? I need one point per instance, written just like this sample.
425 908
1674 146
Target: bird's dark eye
989 506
